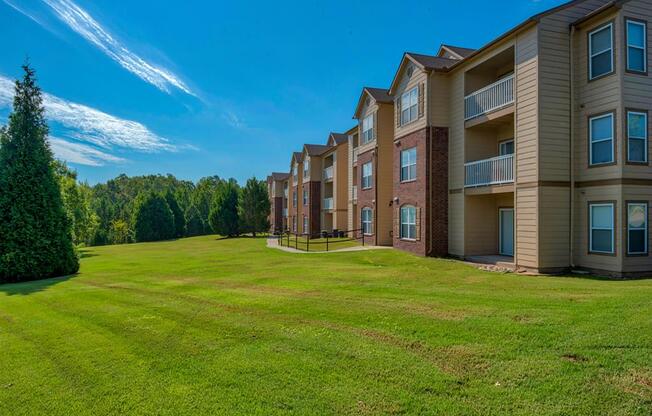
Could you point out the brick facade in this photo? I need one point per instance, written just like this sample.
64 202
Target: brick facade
428 193
276 216
367 197
313 207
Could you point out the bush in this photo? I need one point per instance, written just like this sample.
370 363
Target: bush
223 217
154 220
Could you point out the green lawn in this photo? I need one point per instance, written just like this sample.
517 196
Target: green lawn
319 244
207 326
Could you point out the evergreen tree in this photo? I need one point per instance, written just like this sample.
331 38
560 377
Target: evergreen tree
194 224
35 232
254 207
223 216
154 220
179 218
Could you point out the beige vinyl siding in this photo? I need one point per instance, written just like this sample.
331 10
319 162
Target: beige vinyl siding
367 110
438 93
456 165
637 89
526 147
596 97
481 222
384 180
351 183
406 84
341 187
456 224
554 226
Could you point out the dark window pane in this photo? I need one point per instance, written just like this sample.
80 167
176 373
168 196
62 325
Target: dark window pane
602 152
636 150
637 241
602 241
600 40
601 64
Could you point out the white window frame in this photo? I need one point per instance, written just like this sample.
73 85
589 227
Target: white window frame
368 184
367 223
502 145
644 138
294 224
612 229
410 162
628 45
306 168
409 107
609 26
305 197
368 129
305 224
295 172
407 222
611 139
295 198
629 229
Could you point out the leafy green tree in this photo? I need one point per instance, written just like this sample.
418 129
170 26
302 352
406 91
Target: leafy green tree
254 207
177 213
77 204
119 233
153 220
35 232
194 224
203 197
223 216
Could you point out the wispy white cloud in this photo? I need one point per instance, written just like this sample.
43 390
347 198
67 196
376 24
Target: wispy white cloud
91 133
81 22
233 120
81 154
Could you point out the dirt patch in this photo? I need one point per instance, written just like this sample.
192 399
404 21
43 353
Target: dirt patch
574 358
637 382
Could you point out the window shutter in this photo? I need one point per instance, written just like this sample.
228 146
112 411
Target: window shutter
397 224
417 221
375 125
397 106
421 99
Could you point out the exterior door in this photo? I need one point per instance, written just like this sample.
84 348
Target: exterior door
506 234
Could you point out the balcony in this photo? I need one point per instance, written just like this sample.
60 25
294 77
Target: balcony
328 203
495 171
328 174
285 212
355 155
491 98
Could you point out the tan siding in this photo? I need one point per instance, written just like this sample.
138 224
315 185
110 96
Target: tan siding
384 180
437 90
456 224
405 84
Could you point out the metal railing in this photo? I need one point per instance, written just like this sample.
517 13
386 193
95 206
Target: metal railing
328 173
324 242
492 97
494 171
328 203
355 155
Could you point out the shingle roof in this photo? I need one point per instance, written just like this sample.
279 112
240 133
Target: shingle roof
339 138
432 62
463 52
298 156
278 176
379 94
316 149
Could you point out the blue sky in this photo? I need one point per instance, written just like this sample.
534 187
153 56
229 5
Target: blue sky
199 88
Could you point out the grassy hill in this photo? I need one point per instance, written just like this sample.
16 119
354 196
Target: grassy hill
208 326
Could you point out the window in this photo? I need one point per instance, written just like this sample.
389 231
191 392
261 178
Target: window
306 168
601 60
408 223
305 197
305 225
368 129
636 137
601 133
294 198
294 224
409 164
409 106
602 228
366 175
367 218
295 170
636 46
506 147
637 228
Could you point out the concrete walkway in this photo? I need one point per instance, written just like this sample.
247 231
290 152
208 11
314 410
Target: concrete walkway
273 243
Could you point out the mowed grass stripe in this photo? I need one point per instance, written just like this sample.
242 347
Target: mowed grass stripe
204 325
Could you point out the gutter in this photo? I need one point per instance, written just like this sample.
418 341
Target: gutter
572 149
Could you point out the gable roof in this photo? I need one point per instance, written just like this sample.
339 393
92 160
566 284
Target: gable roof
380 95
335 139
424 62
315 149
458 51
279 176
297 157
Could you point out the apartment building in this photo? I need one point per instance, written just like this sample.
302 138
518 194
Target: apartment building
335 183
295 185
531 151
375 115
311 188
277 186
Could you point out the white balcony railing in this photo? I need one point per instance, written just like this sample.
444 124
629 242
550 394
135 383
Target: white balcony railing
494 171
355 193
328 203
492 97
355 155
328 173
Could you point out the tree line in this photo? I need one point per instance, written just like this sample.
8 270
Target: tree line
46 213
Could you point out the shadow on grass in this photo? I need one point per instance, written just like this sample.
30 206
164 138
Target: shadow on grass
34 286
246 236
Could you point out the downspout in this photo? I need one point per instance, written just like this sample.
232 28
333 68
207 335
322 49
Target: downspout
572 148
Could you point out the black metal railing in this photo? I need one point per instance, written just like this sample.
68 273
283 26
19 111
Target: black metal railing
326 241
